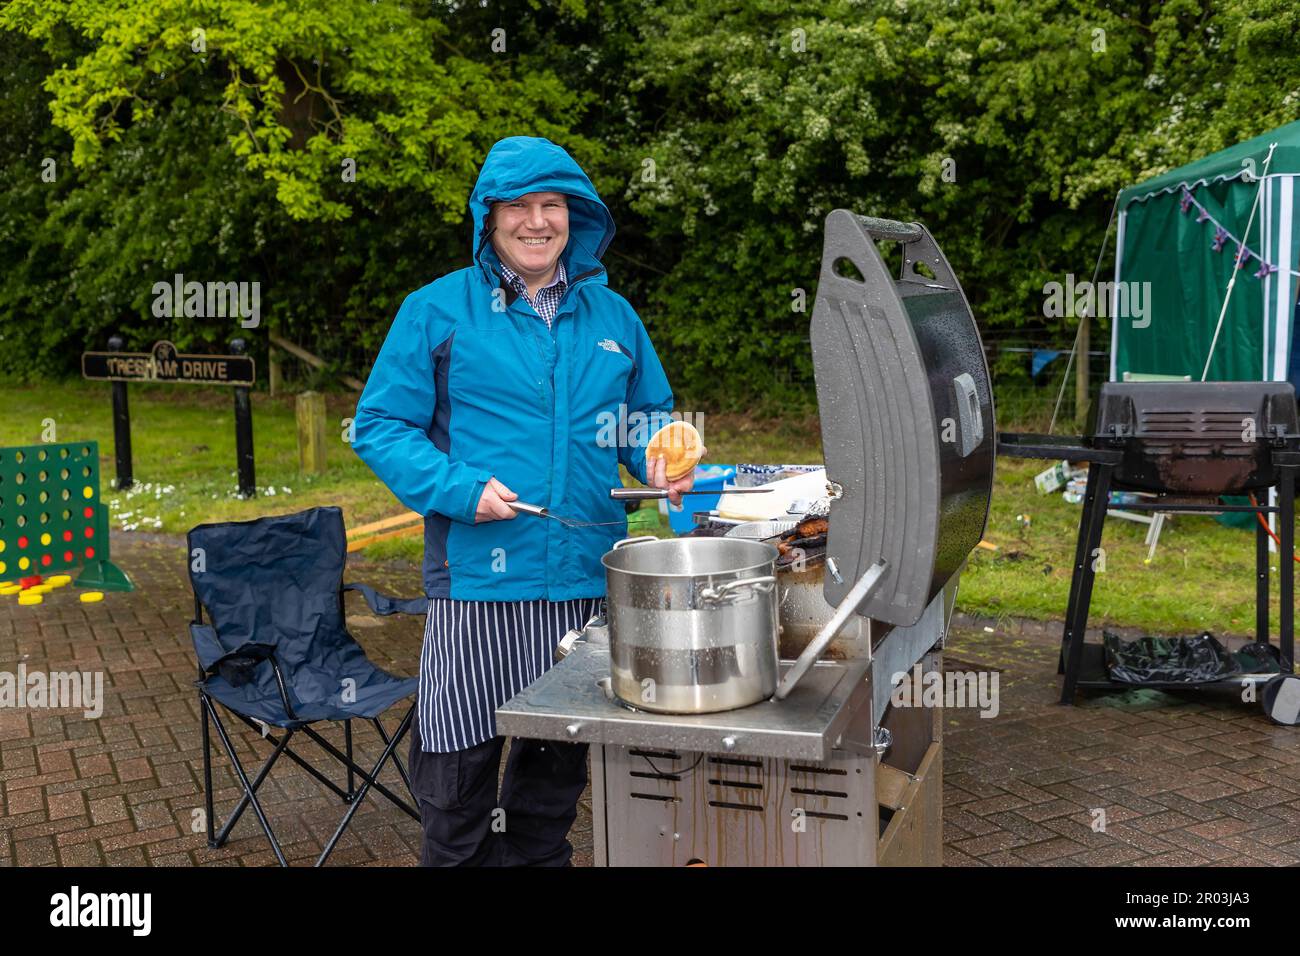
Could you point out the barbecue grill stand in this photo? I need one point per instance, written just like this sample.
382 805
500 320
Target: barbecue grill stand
1169 437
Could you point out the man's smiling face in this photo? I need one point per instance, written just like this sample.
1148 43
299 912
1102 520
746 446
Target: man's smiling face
531 232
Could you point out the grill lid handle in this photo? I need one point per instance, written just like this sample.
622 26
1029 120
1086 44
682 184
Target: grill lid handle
891 229
968 413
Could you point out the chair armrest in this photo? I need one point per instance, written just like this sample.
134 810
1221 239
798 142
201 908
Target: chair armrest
252 651
385 604
207 647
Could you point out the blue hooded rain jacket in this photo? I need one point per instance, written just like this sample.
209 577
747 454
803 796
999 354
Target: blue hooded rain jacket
471 385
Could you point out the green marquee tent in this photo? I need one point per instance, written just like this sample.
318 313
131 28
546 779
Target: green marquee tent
1180 233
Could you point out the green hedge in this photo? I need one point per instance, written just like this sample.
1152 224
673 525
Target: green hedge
719 133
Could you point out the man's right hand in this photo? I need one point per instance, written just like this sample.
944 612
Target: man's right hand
492 503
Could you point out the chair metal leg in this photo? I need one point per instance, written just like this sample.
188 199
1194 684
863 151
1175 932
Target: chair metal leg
242 805
281 746
1153 533
250 791
292 755
347 737
397 758
207 775
368 781
371 781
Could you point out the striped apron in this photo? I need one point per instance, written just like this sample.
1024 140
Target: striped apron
477 655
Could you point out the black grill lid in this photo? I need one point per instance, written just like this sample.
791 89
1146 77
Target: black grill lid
1196 437
906 417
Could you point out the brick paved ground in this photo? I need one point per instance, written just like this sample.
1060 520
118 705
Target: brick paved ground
1185 779
1182 779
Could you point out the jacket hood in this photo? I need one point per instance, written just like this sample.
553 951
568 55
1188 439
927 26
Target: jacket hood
528 164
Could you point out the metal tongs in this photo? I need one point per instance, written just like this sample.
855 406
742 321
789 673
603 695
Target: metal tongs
619 494
524 507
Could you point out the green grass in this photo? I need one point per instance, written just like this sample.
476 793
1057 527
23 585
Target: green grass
1201 578
183 453
183 450
183 442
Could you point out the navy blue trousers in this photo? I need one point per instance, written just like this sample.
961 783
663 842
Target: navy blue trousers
466 824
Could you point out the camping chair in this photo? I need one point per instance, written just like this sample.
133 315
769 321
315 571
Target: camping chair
277 653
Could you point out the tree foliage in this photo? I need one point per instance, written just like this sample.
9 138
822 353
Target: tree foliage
210 137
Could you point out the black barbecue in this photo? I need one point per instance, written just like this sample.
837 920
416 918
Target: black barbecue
1188 443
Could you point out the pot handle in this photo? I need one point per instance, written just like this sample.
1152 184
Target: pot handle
572 638
714 595
636 540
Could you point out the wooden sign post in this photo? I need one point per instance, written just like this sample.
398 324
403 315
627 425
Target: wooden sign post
163 363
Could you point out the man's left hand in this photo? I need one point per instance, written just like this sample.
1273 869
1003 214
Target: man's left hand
658 475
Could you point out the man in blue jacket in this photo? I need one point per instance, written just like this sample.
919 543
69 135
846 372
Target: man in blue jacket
499 382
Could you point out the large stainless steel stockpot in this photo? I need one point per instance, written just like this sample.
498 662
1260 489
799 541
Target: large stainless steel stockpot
692 623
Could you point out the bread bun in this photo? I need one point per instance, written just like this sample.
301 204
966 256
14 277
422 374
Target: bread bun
681 447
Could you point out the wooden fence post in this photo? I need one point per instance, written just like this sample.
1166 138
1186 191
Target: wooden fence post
310 413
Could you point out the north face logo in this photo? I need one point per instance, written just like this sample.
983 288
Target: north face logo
609 345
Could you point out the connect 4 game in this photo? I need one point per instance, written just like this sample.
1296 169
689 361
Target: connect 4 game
51 518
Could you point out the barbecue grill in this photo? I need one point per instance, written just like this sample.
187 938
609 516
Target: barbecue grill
1187 443
825 772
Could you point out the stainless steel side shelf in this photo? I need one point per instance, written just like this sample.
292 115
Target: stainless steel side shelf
570 702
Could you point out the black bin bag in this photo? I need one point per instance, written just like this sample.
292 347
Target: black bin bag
1175 661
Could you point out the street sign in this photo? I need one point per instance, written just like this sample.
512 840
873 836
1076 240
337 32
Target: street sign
163 363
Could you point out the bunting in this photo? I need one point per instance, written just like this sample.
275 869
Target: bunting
1222 237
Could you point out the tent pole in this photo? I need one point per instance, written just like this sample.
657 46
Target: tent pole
1081 374
1236 263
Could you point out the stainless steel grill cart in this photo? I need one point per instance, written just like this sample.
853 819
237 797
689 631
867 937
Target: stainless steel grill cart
825 772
